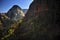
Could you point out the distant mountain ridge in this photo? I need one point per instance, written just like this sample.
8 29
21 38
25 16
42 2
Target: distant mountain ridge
25 10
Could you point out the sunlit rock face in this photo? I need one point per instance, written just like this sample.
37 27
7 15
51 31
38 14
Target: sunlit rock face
15 13
41 22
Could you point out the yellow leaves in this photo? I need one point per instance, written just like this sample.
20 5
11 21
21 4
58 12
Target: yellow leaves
10 32
5 37
19 21
11 29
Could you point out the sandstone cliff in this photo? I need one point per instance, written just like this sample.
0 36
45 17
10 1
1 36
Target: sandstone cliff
40 22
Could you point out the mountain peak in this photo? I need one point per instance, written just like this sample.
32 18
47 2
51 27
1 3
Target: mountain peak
15 7
15 13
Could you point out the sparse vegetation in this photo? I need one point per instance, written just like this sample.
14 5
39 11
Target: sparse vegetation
11 30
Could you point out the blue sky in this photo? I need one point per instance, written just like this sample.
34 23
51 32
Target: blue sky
5 5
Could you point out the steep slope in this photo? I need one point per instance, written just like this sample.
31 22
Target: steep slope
40 22
9 21
15 13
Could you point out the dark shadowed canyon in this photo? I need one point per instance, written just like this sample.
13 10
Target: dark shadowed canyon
41 22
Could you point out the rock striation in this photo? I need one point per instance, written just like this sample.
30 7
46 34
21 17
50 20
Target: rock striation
15 13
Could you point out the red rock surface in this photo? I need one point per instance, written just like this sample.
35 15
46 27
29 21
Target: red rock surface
41 22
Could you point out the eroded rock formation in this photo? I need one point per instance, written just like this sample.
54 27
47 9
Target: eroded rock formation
15 13
41 22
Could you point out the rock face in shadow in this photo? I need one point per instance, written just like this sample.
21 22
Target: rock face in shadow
41 22
4 19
